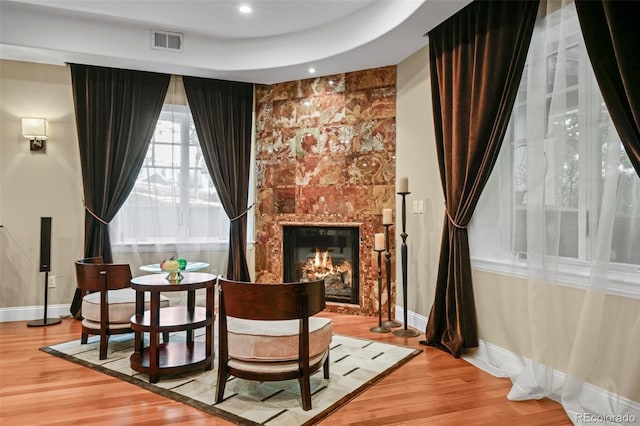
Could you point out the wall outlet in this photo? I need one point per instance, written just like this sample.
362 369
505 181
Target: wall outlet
52 281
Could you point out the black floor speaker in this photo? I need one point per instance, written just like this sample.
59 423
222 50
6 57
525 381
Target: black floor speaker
45 266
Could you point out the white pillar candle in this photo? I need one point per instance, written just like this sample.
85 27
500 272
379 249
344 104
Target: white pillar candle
379 242
403 184
387 217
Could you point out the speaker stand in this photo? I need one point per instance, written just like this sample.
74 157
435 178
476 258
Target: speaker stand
45 321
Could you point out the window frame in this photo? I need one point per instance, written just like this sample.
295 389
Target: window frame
623 279
180 115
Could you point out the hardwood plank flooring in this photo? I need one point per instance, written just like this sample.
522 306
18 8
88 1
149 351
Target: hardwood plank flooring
431 389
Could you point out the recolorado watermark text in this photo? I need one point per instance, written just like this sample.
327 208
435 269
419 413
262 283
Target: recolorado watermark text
584 418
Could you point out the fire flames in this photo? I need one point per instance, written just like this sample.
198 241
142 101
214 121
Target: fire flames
321 266
337 274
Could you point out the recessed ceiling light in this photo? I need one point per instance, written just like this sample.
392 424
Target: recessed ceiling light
312 70
245 8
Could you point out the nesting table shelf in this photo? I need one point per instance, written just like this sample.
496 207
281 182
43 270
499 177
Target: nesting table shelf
169 358
174 318
173 358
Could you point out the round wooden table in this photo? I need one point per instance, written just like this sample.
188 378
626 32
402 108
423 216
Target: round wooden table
168 358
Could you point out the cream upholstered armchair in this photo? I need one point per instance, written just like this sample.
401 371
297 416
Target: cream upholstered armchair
108 301
267 332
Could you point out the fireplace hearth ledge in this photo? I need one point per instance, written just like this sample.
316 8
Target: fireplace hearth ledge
343 308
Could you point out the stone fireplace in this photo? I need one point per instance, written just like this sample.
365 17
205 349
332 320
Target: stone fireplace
331 253
325 156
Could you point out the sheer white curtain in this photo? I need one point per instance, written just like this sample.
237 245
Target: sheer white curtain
173 210
562 213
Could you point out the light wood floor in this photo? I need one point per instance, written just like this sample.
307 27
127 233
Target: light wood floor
432 388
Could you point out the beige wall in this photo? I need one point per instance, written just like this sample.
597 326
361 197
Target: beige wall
35 184
593 334
416 159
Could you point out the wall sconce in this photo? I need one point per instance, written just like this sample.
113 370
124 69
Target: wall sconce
35 129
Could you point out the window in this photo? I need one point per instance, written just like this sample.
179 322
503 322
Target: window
563 183
174 200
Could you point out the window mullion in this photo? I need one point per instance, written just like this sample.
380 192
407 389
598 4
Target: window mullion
589 183
184 177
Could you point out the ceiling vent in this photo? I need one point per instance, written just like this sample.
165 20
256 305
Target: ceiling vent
165 40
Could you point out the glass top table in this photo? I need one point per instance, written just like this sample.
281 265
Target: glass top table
191 266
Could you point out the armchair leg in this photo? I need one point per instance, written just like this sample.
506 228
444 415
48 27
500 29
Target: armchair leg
305 391
222 382
165 337
84 338
325 367
104 342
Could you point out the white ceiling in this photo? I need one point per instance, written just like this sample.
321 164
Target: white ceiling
278 42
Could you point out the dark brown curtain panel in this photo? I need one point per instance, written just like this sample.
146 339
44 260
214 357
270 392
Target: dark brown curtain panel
612 38
476 59
222 114
116 115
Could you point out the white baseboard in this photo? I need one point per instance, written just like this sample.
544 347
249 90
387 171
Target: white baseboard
417 321
30 313
504 363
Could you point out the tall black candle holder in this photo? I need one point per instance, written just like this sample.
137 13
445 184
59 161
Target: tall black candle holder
380 328
404 332
387 254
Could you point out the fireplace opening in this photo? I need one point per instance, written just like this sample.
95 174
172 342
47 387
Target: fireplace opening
327 252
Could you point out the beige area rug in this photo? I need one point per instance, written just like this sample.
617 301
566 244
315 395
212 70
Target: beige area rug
355 365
